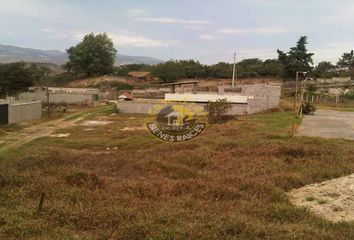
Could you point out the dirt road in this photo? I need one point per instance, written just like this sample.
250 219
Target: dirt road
17 139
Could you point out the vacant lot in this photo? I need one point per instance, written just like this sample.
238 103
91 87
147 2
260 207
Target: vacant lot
107 182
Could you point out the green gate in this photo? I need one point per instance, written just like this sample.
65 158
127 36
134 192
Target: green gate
4 114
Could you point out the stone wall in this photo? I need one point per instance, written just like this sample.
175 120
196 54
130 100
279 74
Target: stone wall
19 112
69 98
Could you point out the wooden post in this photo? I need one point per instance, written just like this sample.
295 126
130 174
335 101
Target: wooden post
294 107
40 204
312 98
48 110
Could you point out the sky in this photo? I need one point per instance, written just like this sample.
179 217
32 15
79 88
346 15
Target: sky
205 30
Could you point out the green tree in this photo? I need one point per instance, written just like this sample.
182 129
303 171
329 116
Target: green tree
17 77
169 71
220 70
250 67
95 54
346 62
325 70
272 68
297 59
192 69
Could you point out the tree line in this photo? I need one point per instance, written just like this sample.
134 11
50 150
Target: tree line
285 66
95 55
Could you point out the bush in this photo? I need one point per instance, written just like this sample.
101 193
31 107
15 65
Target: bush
308 108
311 87
217 111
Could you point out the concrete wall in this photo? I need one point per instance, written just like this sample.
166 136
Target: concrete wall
19 112
151 107
69 98
158 93
140 107
260 98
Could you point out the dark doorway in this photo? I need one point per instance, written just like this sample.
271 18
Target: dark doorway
4 114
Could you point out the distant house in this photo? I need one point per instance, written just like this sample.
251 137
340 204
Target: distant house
140 76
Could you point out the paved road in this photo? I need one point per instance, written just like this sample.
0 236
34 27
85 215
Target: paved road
328 124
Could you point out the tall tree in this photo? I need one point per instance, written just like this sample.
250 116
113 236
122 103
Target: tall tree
94 55
346 62
297 59
169 71
17 77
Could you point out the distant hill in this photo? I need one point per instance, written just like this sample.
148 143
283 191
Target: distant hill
14 54
124 60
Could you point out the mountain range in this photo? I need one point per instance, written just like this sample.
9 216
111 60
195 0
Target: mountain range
14 54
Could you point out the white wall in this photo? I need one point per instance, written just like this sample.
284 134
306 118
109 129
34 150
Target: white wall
19 112
70 98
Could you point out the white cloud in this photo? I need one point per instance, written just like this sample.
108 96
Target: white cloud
174 21
129 39
262 30
137 12
208 37
54 33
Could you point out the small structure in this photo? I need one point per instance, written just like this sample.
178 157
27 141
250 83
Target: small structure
140 76
14 112
247 100
181 85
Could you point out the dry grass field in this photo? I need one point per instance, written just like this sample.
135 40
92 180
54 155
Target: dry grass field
230 183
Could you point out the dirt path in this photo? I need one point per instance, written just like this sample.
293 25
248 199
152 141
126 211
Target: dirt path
17 139
332 200
328 124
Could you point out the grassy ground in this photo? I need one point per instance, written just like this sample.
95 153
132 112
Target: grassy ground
230 183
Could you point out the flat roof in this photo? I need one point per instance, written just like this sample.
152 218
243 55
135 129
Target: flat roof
180 83
204 98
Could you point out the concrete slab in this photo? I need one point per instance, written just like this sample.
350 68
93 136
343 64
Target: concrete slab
328 124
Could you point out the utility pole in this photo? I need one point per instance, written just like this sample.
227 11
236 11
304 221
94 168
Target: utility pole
234 72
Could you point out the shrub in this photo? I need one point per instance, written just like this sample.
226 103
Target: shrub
308 108
217 111
311 87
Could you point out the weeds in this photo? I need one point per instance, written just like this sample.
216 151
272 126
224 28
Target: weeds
229 183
